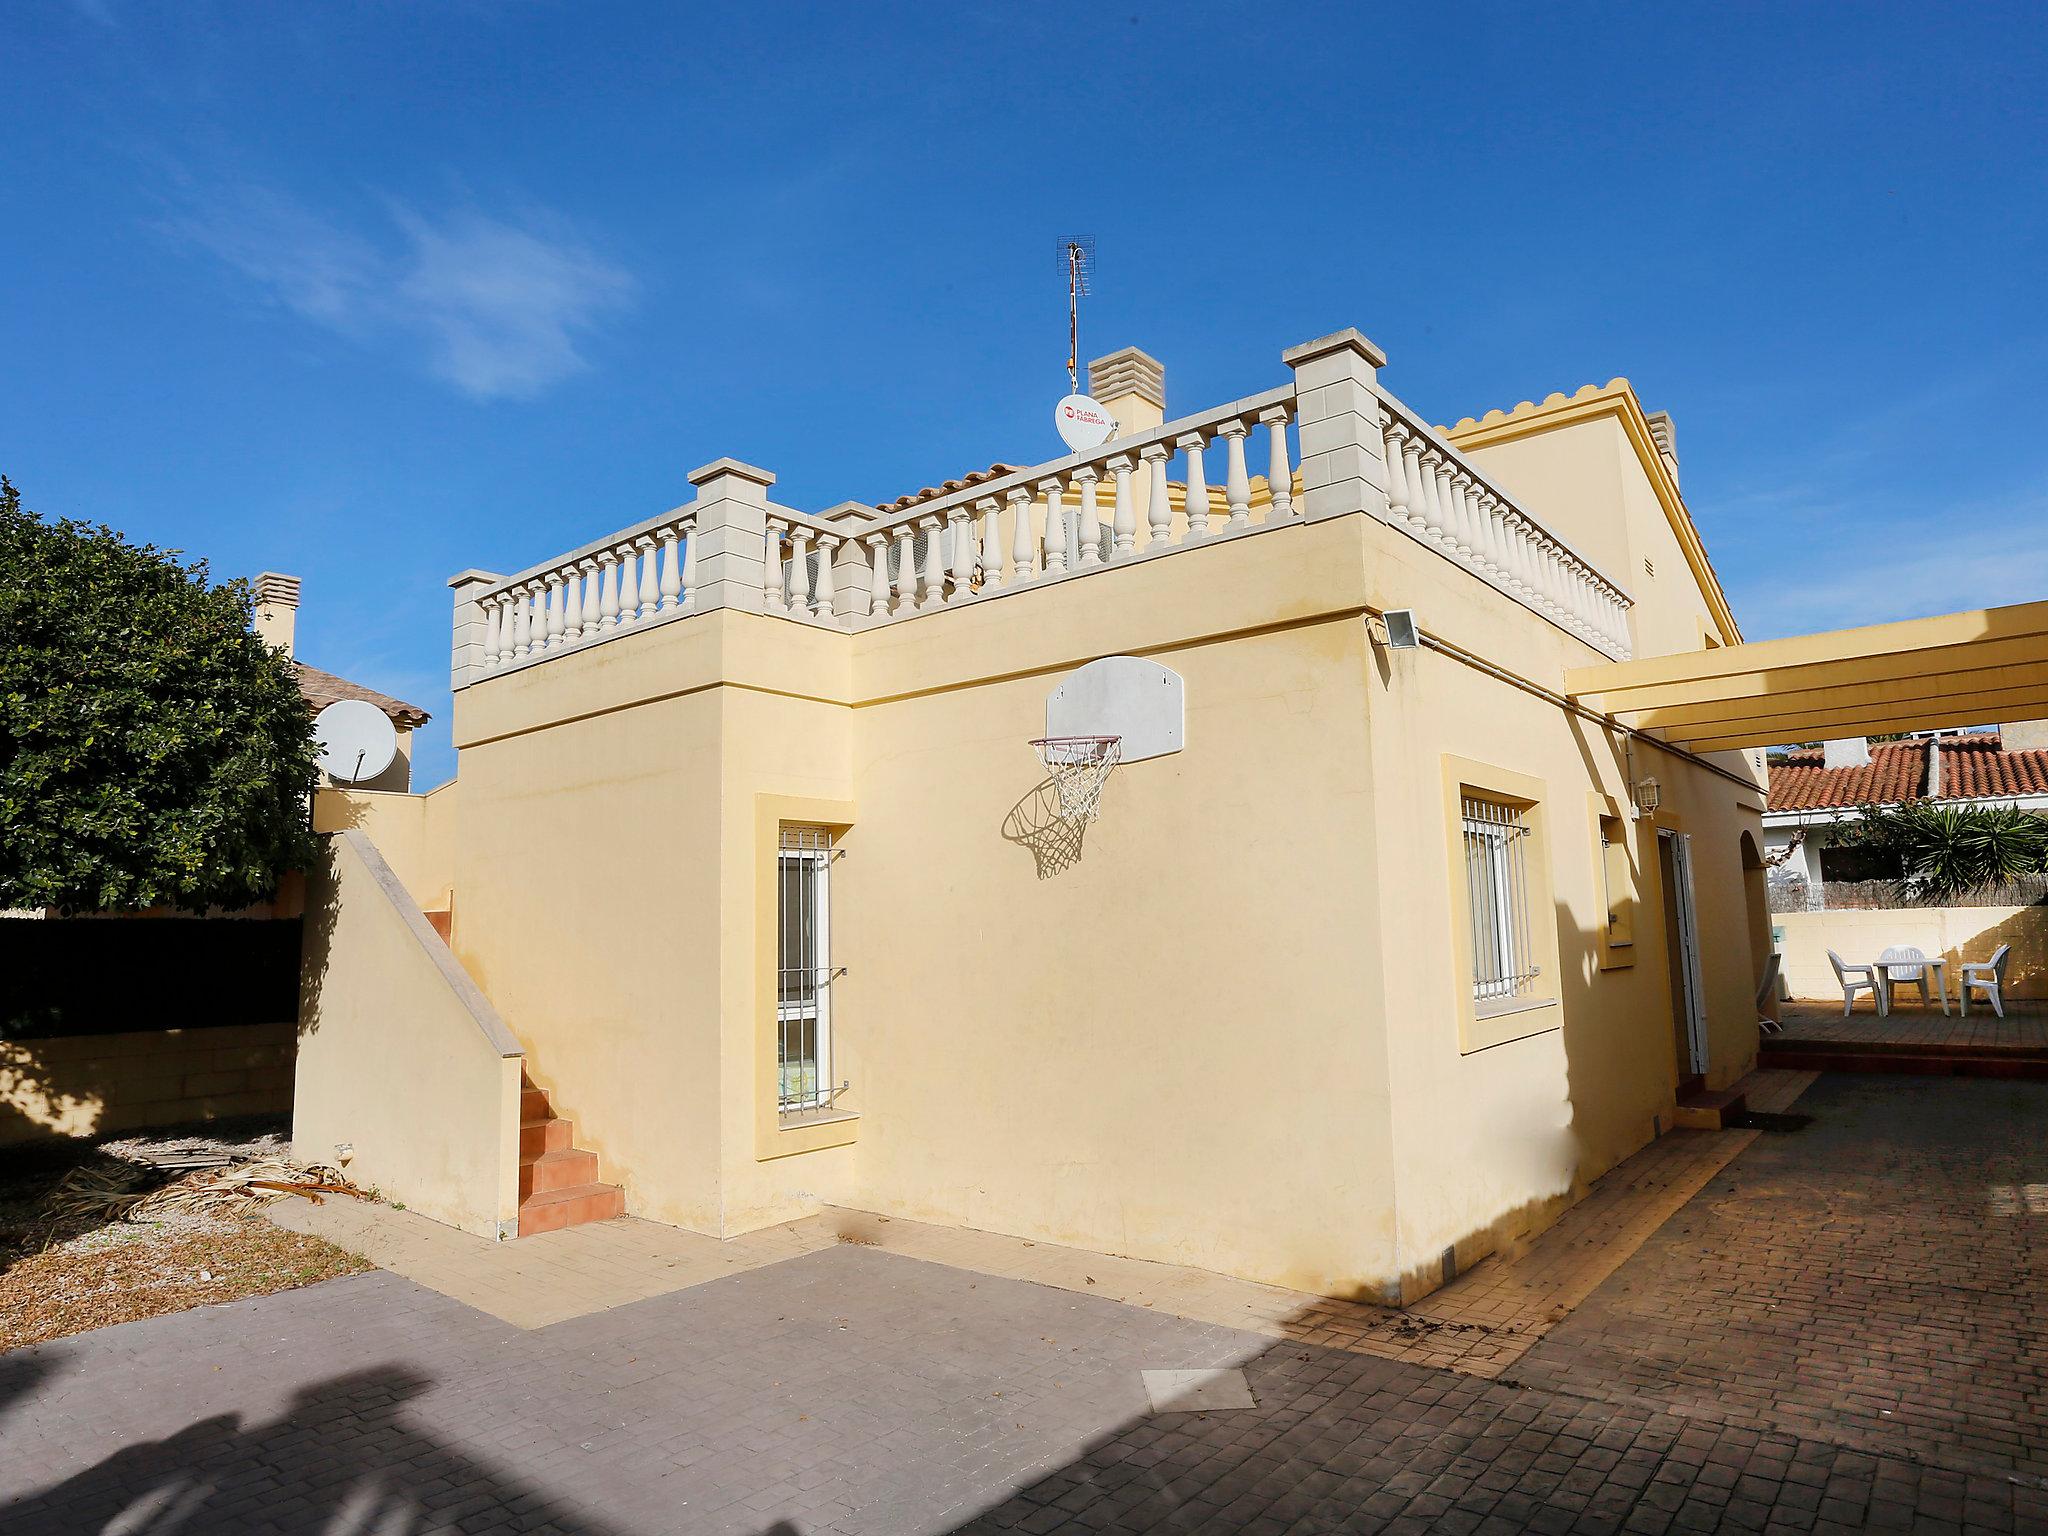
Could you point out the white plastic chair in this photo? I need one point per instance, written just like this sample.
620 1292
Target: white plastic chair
1895 966
1988 977
1765 992
1859 978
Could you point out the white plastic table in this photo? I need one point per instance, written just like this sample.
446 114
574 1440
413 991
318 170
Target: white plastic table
1907 959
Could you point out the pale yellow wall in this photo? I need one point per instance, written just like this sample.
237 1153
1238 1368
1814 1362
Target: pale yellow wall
1225 1036
415 833
1958 934
399 1055
88 1085
1485 1142
1157 1051
1572 478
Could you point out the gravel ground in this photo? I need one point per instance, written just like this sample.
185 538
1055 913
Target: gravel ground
64 1274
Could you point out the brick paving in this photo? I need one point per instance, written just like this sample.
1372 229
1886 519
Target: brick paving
1877 1279
2024 1027
853 1391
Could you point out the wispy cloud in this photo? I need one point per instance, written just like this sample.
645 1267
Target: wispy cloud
497 307
1967 557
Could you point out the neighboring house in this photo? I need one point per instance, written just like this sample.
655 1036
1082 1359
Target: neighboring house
277 615
1814 791
758 899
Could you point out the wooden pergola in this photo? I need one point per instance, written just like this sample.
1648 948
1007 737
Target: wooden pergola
1975 668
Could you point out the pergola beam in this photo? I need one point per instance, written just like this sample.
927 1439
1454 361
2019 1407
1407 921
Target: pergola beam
1972 668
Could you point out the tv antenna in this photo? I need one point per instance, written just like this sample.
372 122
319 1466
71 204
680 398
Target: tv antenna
1077 261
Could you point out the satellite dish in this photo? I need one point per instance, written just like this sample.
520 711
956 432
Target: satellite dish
356 740
1083 423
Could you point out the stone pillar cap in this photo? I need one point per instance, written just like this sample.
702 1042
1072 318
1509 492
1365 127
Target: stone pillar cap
464 578
733 467
1350 338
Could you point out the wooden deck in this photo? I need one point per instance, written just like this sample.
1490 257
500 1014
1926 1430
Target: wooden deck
1912 1039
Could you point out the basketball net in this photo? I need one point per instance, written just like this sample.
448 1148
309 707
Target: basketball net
1078 766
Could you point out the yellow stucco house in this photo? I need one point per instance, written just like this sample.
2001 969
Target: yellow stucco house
758 898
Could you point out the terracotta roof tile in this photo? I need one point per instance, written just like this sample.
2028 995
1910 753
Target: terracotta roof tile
1897 771
324 688
1973 766
930 492
1976 765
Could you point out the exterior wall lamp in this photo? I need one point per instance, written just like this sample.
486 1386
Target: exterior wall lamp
1648 794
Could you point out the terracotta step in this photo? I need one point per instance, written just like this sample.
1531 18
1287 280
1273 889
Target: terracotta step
540 1136
571 1207
1700 1110
533 1104
553 1171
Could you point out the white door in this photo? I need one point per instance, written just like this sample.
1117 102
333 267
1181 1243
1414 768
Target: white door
1689 950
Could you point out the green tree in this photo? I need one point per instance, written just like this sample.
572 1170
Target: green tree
1942 851
153 751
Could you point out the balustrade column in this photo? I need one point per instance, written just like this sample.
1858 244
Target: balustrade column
608 589
1158 499
931 571
650 584
1400 505
991 512
689 562
958 524
1432 493
494 631
904 588
1279 476
1198 488
1055 526
802 596
1237 485
1090 520
1447 498
1123 518
774 596
522 618
822 593
1021 542
585 615
572 606
671 578
877 545
554 602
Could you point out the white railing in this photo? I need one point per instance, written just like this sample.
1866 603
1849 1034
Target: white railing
610 585
1050 523
1055 520
1434 494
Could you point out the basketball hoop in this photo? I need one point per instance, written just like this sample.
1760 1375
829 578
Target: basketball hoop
1078 767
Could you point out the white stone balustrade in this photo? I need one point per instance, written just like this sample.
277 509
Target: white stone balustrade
855 568
1438 498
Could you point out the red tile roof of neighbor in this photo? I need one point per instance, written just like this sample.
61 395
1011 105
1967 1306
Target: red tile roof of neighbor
972 477
324 688
1972 765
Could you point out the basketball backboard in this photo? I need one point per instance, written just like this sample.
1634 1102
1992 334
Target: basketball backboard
1138 701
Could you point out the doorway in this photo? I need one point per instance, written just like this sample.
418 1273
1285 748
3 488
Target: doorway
1682 955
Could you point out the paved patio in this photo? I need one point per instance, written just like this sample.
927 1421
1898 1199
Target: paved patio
2024 1027
1731 1373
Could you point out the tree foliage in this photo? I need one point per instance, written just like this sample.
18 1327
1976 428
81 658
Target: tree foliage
153 752
1942 851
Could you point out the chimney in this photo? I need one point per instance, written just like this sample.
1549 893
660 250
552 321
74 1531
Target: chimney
1849 752
1132 386
1665 436
277 609
2024 736
1934 767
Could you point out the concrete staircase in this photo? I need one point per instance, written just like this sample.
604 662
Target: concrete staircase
557 1179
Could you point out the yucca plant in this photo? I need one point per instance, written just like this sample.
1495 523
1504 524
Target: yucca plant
1946 850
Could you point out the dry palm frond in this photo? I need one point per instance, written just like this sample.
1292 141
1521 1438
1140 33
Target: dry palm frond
131 1194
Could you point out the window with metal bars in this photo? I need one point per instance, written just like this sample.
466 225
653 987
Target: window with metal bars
804 973
1504 968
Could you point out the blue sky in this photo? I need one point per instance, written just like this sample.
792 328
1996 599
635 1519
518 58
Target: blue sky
373 293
